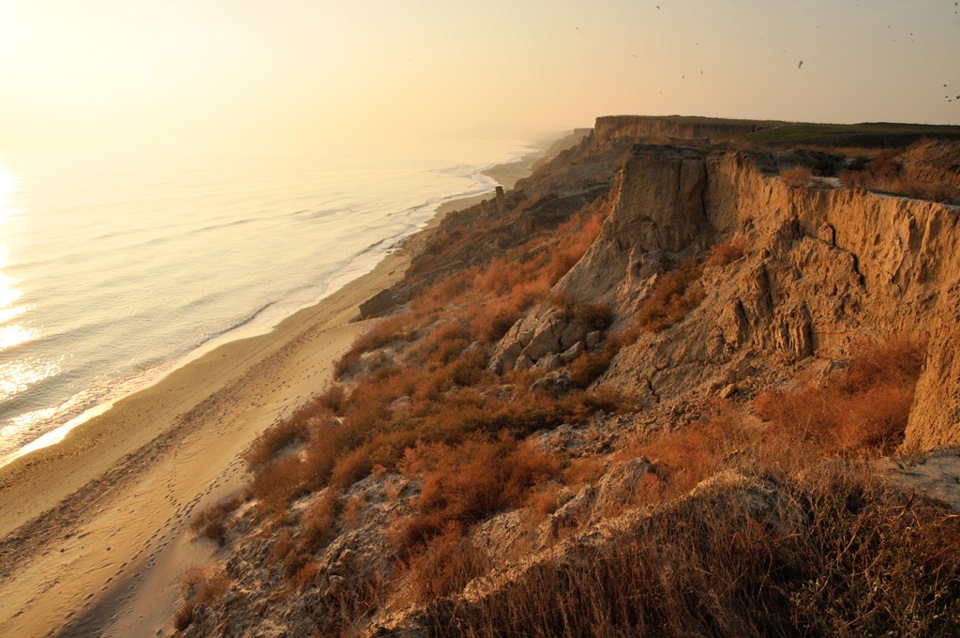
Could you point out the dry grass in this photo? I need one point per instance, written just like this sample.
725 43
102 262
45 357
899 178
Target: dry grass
885 174
863 409
446 565
319 521
838 555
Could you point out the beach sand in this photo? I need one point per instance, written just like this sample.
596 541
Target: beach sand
94 531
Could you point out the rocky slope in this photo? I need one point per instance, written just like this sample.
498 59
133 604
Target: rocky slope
628 396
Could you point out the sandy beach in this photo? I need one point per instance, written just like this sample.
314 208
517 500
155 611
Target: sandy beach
94 531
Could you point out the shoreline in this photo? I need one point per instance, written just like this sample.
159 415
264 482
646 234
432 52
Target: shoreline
111 503
119 389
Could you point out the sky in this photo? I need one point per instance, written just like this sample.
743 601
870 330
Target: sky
277 74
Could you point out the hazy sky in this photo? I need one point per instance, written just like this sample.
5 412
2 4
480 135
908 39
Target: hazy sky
276 73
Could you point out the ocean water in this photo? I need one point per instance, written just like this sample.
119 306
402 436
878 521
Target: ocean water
115 270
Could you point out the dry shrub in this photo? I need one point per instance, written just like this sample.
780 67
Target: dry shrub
672 296
598 316
576 236
840 555
588 367
383 332
209 523
885 174
282 547
446 565
466 483
683 458
496 319
442 345
864 409
798 177
306 574
886 562
332 398
724 254
318 521
584 470
278 437
304 425
276 483
202 585
353 510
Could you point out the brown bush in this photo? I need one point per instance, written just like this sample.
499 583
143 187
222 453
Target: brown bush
274 439
277 482
672 296
588 367
383 332
683 458
209 523
798 177
282 547
724 254
306 574
203 584
319 520
446 565
885 174
466 483
864 409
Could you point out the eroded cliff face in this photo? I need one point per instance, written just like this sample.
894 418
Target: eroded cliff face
822 270
673 128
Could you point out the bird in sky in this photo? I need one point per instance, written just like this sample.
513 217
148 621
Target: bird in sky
800 66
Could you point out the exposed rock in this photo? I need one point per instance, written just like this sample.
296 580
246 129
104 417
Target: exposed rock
573 352
936 475
549 362
575 511
593 338
619 486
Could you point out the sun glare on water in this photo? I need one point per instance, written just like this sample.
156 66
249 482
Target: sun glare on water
7 186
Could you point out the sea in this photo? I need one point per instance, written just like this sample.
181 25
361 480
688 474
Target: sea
114 270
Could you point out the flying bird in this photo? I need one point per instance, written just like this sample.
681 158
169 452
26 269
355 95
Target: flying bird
800 66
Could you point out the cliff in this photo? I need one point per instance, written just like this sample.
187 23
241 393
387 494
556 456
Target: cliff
825 268
675 128
656 389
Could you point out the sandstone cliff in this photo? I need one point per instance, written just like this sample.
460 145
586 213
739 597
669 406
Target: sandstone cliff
824 268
